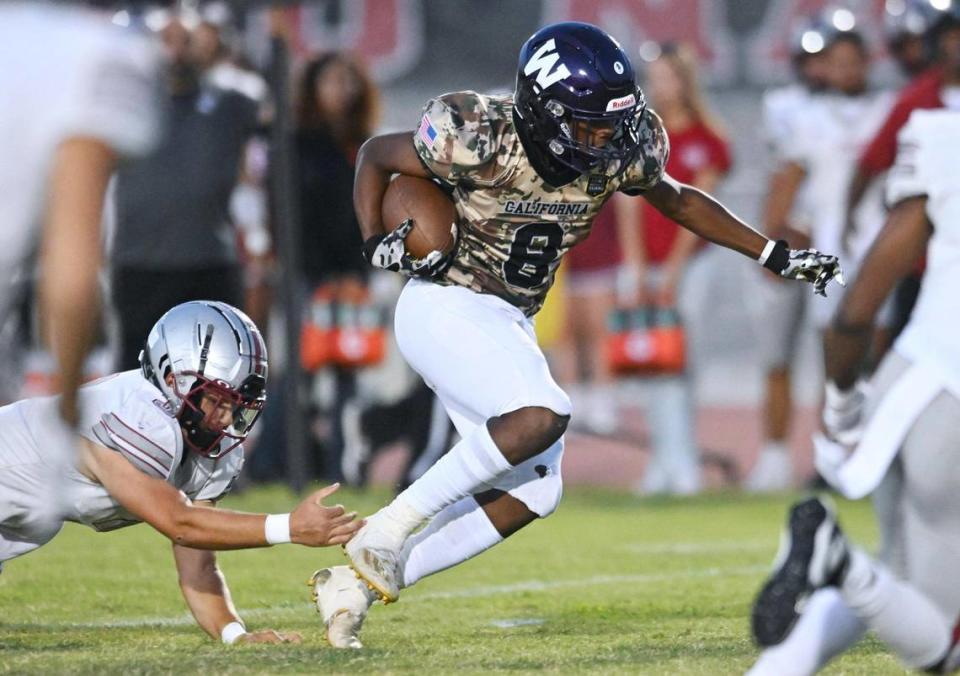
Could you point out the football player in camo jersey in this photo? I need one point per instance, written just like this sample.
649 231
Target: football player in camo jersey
528 173
162 445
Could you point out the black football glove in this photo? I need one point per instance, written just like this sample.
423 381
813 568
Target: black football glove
808 265
389 253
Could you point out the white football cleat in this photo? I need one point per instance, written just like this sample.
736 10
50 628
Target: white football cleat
374 554
771 473
342 601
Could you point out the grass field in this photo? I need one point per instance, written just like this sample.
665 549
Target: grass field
610 584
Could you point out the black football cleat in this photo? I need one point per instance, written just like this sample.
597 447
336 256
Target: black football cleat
813 554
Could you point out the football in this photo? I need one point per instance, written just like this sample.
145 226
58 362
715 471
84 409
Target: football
434 216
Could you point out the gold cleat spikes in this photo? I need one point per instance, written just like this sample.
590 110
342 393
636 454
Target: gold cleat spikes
381 595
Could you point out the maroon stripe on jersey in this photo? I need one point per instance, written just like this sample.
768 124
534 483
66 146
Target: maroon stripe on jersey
102 436
129 447
150 441
138 459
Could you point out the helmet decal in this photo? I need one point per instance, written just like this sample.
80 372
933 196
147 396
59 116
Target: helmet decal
542 63
627 101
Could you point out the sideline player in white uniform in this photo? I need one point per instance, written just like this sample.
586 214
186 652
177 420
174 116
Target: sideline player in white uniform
818 159
528 174
162 445
906 439
82 94
780 307
825 146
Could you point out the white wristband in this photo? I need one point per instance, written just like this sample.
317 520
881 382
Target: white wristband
230 633
276 528
767 250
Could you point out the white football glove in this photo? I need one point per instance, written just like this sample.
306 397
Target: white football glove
843 412
389 253
809 265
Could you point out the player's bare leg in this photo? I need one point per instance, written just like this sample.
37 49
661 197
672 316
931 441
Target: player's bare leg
773 471
460 532
479 460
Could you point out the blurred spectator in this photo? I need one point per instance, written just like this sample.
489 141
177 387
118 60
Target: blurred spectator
904 25
221 67
819 158
672 272
782 305
213 51
337 109
175 240
608 260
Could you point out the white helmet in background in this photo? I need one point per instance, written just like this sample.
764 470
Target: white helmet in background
213 351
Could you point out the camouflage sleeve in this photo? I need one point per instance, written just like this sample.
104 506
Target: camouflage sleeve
455 138
649 167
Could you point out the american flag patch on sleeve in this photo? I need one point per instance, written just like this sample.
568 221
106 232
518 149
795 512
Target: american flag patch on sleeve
426 132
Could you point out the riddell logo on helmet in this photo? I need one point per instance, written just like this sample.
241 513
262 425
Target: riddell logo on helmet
621 103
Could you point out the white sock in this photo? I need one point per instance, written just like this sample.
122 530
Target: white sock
826 628
459 532
775 447
473 464
901 616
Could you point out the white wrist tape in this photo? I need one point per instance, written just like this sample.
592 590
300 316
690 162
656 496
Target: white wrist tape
230 633
767 250
276 528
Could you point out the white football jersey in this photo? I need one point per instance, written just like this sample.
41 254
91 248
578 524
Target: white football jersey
928 147
782 110
126 413
70 73
827 141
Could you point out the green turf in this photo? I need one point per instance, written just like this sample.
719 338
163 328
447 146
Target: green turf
610 584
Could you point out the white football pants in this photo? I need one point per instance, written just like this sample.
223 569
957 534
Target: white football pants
480 355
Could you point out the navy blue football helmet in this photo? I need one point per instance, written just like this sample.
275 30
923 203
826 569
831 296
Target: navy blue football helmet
577 98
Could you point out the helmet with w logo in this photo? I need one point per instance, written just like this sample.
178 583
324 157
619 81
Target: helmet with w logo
578 99
210 362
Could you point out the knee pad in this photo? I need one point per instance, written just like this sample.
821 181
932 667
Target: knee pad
537 482
550 494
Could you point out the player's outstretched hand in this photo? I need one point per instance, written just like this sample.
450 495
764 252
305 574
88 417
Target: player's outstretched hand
314 524
270 636
809 265
389 253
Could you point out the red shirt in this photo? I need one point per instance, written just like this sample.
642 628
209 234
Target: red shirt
601 248
923 92
692 150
